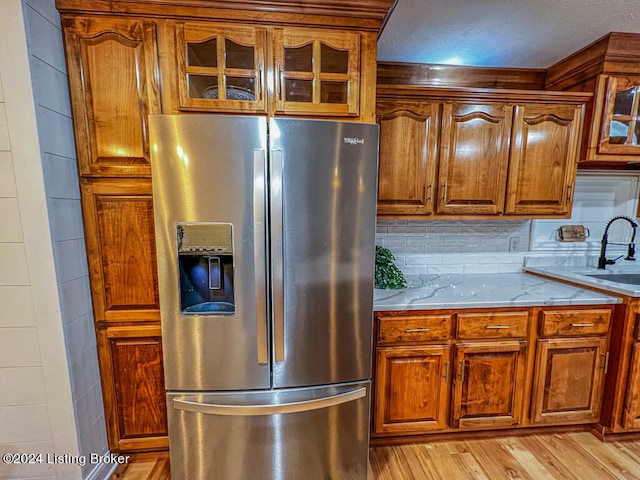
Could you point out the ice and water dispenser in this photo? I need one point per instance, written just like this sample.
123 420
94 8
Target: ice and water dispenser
205 257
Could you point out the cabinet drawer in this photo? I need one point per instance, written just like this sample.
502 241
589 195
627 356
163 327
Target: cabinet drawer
575 322
492 325
421 328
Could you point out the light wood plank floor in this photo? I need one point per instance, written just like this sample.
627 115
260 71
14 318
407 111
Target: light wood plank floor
569 456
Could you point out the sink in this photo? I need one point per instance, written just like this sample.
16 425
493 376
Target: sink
627 278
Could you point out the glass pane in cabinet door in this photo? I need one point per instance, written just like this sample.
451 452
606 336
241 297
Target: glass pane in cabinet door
624 102
618 132
201 86
636 133
238 56
334 92
333 61
240 88
298 59
298 90
202 54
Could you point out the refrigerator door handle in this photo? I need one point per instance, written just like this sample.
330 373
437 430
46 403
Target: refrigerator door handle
259 198
277 256
269 409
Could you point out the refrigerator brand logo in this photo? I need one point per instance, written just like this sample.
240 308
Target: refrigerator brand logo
353 141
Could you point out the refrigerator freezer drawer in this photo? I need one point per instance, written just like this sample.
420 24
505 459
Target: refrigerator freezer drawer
302 433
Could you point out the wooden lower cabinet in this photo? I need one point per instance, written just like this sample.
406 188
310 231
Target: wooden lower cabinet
453 370
411 389
631 418
133 387
568 381
489 384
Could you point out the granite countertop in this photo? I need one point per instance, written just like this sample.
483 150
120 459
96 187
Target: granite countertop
431 292
578 274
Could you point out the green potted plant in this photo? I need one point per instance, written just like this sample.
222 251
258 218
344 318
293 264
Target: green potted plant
388 275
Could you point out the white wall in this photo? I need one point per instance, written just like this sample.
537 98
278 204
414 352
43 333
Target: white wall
50 398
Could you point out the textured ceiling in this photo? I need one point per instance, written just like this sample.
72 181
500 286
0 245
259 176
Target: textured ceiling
500 33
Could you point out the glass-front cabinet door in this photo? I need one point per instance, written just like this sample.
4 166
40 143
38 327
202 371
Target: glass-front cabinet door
620 133
316 72
221 67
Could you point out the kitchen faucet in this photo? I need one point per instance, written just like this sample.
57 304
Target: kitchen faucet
631 247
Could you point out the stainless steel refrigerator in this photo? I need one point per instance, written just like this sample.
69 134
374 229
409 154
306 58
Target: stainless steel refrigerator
265 235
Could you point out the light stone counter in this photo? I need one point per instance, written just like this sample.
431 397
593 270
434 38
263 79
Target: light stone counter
431 292
578 274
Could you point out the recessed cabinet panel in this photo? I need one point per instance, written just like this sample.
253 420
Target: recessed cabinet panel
489 384
113 75
544 159
568 380
120 240
411 389
474 156
133 387
408 149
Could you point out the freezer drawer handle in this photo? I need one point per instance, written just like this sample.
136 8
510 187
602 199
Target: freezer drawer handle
253 410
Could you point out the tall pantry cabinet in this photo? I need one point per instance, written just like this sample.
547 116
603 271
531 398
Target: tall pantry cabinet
128 59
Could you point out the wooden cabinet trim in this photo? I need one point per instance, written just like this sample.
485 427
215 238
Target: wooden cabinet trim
356 14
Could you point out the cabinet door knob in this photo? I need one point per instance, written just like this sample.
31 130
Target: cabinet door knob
462 371
446 372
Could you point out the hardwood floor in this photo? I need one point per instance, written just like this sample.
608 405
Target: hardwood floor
567 456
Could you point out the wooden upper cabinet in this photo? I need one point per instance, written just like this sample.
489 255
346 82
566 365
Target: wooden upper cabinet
113 78
221 67
544 149
616 127
119 231
317 72
474 156
408 153
489 384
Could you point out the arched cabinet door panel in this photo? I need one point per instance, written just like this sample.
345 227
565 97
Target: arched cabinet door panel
474 156
408 152
544 159
114 86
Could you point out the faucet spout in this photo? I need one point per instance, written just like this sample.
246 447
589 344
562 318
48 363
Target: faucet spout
631 246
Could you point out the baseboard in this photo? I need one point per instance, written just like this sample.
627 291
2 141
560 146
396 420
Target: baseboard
102 471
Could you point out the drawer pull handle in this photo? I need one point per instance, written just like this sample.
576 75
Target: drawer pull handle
414 330
582 324
496 327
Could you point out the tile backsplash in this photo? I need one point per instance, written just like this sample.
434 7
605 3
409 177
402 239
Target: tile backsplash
456 246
